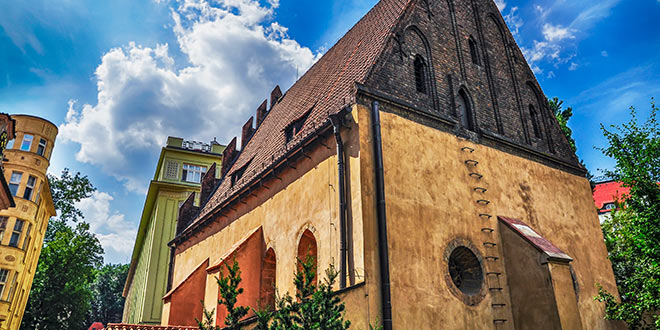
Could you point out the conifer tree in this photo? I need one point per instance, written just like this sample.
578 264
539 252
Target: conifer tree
229 292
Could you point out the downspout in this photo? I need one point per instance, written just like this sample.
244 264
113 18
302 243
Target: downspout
382 220
337 123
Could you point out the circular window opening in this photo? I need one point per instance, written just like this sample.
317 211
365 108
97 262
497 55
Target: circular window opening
465 271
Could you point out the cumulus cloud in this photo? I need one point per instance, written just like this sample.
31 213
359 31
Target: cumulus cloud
111 228
574 66
234 55
554 33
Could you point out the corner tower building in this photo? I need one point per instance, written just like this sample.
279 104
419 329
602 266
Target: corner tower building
22 228
419 156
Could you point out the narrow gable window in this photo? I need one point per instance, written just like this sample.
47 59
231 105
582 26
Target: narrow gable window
535 121
27 142
464 110
420 74
473 51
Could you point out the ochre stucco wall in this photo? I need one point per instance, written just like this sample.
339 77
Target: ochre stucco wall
431 201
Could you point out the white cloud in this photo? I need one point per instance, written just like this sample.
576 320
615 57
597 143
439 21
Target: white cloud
554 33
111 228
574 66
604 53
514 22
551 74
235 55
501 4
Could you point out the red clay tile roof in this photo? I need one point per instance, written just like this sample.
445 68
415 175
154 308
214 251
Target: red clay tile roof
325 88
607 192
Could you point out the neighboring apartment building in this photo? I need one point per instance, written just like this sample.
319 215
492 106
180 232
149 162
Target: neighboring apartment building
606 196
7 134
181 166
419 156
22 228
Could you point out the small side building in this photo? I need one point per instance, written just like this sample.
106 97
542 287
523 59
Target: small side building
22 227
181 167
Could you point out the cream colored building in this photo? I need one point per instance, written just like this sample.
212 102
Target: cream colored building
22 228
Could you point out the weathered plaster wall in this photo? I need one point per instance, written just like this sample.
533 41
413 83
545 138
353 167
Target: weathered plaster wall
306 197
431 201
529 280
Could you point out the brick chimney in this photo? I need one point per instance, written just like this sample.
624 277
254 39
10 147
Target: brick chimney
208 184
247 132
275 95
228 155
261 112
187 213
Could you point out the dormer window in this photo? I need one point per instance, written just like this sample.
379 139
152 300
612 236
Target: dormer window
295 127
420 74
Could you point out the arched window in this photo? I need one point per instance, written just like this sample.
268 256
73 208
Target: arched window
464 111
535 121
473 51
420 74
307 249
268 276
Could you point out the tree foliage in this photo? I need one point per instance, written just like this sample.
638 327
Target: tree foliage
61 294
632 234
229 292
107 302
563 115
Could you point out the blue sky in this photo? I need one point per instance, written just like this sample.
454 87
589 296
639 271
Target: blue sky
119 76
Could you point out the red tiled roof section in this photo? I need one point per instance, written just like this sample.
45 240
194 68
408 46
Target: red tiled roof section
327 86
607 192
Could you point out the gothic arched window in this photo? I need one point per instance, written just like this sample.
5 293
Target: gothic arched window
535 121
420 74
473 51
464 111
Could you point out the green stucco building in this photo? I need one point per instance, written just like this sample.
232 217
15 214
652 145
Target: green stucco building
181 167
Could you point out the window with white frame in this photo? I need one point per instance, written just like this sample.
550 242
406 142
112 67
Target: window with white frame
14 182
193 173
27 142
29 187
16 234
4 274
3 227
41 150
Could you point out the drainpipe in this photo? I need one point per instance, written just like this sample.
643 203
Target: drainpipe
337 122
382 220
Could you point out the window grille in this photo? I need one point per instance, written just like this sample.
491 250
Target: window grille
172 170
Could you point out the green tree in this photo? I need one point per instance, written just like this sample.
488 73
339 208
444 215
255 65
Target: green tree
61 297
563 115
61 294
229 292
632 234
107 288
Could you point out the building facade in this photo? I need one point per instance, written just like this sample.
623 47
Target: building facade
181 166
418 156
607 195
7 133
22 228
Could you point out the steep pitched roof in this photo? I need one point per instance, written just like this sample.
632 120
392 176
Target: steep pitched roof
327 86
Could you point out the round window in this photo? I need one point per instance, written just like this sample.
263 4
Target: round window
465 271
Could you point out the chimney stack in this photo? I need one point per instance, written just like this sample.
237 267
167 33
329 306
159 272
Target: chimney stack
228 155
247 132
261 112
275 96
